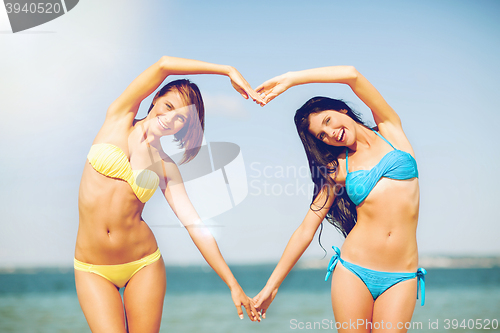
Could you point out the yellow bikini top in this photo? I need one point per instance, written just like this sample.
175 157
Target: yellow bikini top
111 161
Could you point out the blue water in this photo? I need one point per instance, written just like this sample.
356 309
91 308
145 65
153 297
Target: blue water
198 301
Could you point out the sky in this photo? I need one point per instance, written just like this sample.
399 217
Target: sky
434 62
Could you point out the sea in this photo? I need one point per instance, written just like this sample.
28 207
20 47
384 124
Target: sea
44 300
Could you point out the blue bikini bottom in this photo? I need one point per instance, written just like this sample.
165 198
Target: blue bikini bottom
377 282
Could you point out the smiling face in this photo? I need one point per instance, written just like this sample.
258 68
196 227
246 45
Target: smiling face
334 128
178 109
169 114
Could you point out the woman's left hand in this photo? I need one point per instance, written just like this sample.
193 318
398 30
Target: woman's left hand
263 299
241 299
274 87
241 85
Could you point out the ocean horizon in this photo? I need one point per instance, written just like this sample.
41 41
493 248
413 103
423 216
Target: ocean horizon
426 261
44 300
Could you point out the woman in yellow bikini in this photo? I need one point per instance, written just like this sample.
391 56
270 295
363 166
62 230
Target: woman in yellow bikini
115 248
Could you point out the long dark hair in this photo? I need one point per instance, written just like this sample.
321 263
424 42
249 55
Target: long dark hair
323 161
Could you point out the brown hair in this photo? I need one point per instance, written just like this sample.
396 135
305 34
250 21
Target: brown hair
190 136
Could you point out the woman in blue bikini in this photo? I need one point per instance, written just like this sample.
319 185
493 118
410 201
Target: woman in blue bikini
366 185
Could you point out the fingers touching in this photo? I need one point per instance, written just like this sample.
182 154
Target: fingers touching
252 312
259 306
247 92
264 93
272 88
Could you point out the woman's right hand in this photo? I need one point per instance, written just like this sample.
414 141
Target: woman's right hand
263 299
241 85
241 299
274 87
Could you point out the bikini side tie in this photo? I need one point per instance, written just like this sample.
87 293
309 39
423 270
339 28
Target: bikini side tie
333 262
421 281
420 274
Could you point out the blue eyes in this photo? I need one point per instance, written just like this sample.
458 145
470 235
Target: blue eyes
322 135
171 108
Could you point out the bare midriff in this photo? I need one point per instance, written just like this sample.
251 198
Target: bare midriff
111 229
384 237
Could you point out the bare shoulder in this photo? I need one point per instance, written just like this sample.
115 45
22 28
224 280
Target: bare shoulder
170 168
167 161
164 157
114 130
396 136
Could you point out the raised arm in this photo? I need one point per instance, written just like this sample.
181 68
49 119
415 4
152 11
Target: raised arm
296 246
149 80
382 112
176 196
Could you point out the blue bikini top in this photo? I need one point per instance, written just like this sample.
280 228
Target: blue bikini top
396 164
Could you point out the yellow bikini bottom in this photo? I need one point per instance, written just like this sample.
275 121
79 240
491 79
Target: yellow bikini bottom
120 274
